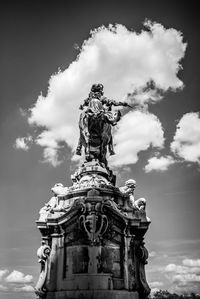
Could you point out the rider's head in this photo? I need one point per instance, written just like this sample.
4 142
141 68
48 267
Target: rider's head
97 88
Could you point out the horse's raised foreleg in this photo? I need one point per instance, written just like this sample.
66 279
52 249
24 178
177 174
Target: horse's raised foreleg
79 146
111 147
87 145
84 135
108 139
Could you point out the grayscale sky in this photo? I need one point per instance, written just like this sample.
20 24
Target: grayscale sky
42 38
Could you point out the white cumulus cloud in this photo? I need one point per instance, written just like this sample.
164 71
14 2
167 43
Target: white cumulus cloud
137 131
183 269
191 262
152 254
184 277
3 273
18 277
3 288
156 284
185 288
159 163
25 288
23 143
125 62
186 142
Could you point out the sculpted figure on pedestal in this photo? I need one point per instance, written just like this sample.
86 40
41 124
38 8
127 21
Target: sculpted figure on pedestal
128 190
55 203
48 208
59 190
95 124
140 204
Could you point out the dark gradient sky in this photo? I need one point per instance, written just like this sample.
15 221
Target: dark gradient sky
37 38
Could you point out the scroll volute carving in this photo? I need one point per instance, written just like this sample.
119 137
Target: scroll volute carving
43 255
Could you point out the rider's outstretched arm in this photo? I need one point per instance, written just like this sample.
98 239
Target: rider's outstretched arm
111 103
85 103
115 103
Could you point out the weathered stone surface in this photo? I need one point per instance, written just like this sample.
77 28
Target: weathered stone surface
95 294
93 236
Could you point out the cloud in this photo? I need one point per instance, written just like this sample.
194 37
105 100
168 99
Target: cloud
138 67
180 269
146 94
51 156
137 131
23 143
3 288
25 288
186 142
15 281
191 262
185 289
152 254
18 277
185 277
159 163
170 268
23 112
3 273
156 284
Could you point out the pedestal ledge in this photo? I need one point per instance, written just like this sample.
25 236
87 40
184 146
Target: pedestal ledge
97 294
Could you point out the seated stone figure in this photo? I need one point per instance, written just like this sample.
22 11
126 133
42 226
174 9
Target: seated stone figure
48 208
128 190
55 203
59 190
140 204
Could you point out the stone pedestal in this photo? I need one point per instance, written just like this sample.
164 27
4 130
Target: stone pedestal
92 244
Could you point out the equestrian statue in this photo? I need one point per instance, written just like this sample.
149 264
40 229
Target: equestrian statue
95 124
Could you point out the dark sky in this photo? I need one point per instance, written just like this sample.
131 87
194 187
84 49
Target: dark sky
38 38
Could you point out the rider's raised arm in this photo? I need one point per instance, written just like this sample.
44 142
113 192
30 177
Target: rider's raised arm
85 104
115 103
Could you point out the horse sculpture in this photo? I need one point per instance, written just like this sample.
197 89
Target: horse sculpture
96 132
96 123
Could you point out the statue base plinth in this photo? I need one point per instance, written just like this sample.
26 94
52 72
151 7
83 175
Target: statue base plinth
93 241
92 294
